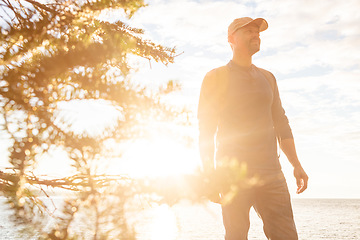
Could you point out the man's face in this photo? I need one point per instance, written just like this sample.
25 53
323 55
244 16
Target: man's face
246 39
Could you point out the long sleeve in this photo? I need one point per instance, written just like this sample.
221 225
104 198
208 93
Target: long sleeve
208 116
281 122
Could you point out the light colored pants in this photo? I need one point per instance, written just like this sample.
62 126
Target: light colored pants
271 201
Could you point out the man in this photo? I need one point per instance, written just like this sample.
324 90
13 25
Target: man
240 106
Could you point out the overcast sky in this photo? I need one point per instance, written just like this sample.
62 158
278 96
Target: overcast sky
312 47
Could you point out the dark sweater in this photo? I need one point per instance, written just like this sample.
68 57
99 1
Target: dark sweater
245 114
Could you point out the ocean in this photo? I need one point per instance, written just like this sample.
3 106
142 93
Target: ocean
316 219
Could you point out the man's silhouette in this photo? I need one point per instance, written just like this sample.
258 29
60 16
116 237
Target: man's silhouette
240 107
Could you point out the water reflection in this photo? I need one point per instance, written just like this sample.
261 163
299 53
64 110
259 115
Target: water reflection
163 225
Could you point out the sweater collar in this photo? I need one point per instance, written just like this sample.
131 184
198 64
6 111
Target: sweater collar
233 66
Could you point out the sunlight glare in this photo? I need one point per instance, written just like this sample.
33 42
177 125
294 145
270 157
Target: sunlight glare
158 158
163 226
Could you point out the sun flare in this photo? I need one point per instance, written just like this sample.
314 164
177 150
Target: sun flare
157 157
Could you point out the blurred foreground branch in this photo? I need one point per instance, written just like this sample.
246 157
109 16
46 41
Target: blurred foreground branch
74 183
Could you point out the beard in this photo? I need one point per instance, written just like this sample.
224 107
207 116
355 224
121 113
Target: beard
249 47
254 46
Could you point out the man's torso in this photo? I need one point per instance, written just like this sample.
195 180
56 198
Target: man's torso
245 129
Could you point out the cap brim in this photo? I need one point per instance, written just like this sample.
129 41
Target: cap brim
262 23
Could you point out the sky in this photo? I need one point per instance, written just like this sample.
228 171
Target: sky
313 49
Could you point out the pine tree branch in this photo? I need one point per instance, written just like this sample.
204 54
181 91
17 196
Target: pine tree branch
74 183
42 6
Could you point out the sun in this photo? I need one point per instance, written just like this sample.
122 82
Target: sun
160 156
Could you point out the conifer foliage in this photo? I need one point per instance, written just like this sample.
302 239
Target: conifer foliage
58 52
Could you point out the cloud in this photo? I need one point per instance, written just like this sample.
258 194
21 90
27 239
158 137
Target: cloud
321 32
305 37
299 43
190 22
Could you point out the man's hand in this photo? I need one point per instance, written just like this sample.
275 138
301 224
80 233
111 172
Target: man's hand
288 147
210 187
301 179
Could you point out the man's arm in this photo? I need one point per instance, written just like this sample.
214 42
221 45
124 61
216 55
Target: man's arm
286 140
288 147
208 119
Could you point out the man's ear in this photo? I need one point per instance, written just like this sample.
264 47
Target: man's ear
230 39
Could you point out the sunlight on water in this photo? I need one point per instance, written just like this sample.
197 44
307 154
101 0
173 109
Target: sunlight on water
163 226
316 219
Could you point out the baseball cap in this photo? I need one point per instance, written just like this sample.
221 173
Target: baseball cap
242 22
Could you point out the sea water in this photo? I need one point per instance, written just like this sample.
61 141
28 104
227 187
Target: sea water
316 219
